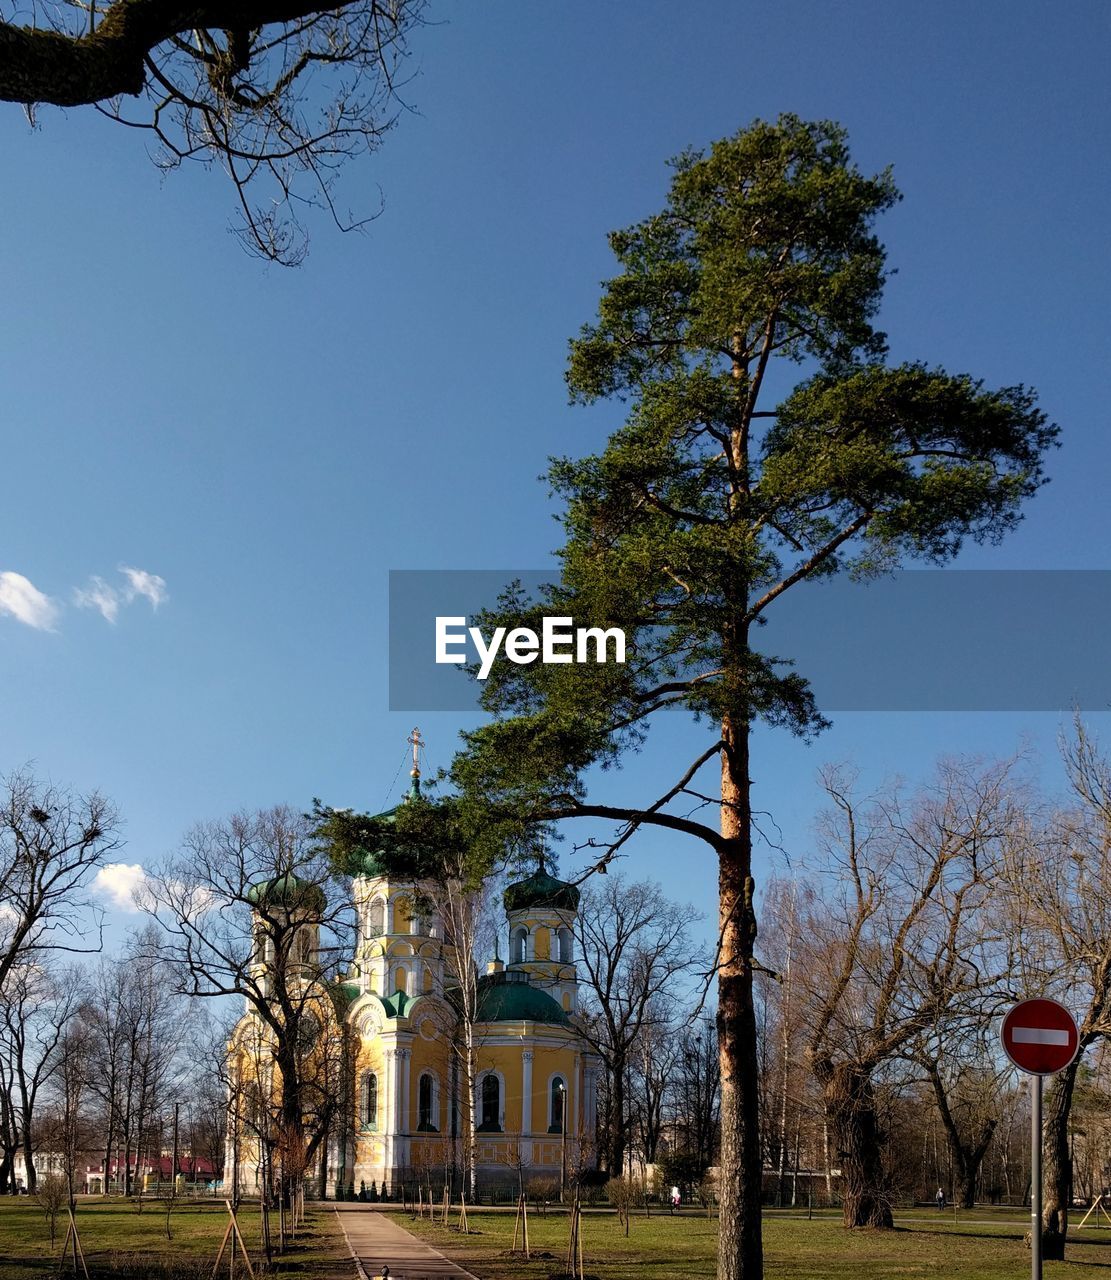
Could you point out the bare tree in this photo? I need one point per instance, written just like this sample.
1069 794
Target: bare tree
654 1066
37 1014
634 952
695 1100
278 94
966 1084
1059 902
67 1129
899 945
463 909
247 911
51 843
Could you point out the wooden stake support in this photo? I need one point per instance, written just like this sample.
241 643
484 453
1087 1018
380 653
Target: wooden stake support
520 1225
78 1253
1098 1203
463 1224
575 1243
232 1231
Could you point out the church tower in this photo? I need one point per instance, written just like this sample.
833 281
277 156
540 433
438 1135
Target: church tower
541 913
285 928
400 942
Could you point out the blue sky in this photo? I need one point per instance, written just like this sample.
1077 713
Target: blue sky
270 443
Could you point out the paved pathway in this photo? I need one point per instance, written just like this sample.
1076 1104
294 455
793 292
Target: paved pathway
376 1240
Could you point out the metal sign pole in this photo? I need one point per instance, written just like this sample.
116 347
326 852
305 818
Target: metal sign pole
1035 1178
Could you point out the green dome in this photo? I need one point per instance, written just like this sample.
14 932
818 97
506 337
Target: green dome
288 891
541 890
502 999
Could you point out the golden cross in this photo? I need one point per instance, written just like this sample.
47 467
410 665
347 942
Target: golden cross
416 742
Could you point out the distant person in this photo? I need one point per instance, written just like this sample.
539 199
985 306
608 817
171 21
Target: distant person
939 1199
676 1199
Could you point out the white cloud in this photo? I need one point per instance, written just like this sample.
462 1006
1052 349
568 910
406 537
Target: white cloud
141 583
108 600
99 595
121 881
26 603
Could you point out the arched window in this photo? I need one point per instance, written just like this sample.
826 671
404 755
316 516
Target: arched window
370 1100
518 946
376 918
402 908
566 946
426 1115
559 1093
491 1104
401 980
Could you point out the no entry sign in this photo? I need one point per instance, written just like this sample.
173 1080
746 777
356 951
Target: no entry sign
1040 1037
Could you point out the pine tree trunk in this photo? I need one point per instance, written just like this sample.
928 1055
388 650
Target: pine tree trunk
740 1248
1056 1163
851 1107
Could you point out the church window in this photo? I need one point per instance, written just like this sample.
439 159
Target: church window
491 1104
559 1093
370 1100
401 981
376 918
426 1104
566 946
518 946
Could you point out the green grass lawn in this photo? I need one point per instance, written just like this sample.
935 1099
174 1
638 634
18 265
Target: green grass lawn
119 1242
986 1245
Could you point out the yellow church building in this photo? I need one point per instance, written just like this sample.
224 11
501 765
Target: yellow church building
535 1093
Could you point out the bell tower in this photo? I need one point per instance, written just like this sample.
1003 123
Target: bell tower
400 946
285 928
541 911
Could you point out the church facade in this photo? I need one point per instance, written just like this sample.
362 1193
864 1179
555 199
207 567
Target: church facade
534 1095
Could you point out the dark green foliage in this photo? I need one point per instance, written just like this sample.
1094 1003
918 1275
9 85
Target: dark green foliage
705 505
422 839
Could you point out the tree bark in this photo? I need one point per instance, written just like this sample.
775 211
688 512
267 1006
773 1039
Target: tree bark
740 1247
1057 1163
851 1108
618 1140
38 65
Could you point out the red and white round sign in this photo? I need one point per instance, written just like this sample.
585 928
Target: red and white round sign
1040 1037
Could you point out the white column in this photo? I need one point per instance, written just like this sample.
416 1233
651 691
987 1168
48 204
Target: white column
403 1056
526 1093
387 1108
